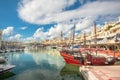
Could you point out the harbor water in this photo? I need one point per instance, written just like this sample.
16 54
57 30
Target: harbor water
40 64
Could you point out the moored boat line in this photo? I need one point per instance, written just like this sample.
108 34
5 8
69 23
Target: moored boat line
11 50
86 57
86 54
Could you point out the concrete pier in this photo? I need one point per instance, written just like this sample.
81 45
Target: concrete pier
100 72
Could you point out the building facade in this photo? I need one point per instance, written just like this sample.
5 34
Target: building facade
0 38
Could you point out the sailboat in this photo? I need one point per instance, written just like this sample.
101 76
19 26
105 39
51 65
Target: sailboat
97 59
85 56
72 56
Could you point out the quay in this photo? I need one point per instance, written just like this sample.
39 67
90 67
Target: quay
100 72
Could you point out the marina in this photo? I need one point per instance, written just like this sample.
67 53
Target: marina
60 40
29 62
40 64
83 60
68 60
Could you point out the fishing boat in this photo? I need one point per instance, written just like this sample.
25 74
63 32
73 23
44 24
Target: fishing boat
85 56
94 56
69 54
72 57
99 59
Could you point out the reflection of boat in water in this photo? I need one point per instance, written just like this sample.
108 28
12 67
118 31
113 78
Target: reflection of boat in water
70 72
6 75
69 69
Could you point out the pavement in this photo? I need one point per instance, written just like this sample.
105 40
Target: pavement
101 72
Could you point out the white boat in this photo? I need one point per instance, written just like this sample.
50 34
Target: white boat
2 60
2 51
5 68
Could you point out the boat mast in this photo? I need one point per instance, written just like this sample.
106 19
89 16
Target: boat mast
95 37
61 37
73 37
84 40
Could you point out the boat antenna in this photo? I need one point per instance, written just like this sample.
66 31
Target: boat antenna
61 37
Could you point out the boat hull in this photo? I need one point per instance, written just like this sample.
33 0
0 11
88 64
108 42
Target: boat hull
93 60
71 59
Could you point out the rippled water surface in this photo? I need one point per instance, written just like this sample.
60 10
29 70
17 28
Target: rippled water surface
41 64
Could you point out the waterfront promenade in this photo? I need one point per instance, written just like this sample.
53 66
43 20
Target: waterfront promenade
101 72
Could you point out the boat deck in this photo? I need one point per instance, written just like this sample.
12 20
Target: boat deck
4 68
101 72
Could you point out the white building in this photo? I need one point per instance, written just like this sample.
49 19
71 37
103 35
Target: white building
0 37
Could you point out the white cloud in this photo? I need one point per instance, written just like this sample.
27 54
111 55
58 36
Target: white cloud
86 22
9 34
28 39
84 26
34 10
23 28
42 12
39 34
16 37
53 11
8 31
53 31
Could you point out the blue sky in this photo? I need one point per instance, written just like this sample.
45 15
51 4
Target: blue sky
27 20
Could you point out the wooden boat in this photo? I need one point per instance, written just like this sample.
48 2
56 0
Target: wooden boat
99 60
85 58
73 58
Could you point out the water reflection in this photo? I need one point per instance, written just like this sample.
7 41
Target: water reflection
40 64
37 74
47 57
70 72
6 75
